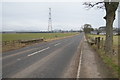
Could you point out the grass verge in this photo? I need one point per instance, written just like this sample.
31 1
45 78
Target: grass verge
110 59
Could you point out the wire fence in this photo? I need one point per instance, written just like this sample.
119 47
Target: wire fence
99 42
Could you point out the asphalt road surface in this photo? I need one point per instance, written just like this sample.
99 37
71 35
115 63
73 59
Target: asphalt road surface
45 60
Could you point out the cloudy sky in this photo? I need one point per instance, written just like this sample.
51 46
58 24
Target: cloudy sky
33 16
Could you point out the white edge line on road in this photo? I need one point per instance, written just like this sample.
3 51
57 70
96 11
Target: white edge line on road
56 44
18 59
79 67
39 51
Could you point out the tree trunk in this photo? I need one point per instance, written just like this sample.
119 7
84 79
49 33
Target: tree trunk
111 8
109 32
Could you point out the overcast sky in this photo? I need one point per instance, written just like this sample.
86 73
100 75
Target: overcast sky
34 16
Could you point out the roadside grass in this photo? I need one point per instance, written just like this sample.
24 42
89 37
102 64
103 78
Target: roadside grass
110 59
11 40
27 36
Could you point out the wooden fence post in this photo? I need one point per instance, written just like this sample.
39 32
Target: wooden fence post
98 43
102 44
95 40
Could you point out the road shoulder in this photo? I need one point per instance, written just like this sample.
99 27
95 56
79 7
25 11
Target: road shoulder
92 65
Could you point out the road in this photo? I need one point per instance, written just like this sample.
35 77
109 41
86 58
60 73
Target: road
54 59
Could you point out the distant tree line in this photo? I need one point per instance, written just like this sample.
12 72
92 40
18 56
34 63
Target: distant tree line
60 31
87 28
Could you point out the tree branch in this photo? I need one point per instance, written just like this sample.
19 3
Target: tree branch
90 4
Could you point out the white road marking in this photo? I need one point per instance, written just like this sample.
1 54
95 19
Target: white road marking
18 59
78 73
80 62
39 51
56 44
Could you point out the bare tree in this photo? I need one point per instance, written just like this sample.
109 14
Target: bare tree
110 7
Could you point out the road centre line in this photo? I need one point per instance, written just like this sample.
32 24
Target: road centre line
57 44
18 59
39 51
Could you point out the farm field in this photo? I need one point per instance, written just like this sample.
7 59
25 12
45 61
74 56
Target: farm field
10 41
27 36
